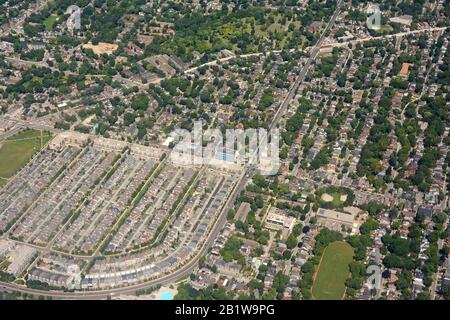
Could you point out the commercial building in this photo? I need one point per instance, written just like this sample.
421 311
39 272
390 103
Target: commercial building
243 211
338 221
276 220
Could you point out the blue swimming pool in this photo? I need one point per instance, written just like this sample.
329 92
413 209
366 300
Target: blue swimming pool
168 295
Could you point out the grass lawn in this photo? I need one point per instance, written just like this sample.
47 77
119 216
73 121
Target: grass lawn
50 21
329 281
17 150
336 201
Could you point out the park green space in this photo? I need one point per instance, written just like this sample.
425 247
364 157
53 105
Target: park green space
337 202
50 21
333 197
333 271
18 149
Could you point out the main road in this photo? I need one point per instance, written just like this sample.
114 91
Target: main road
186 269
301 77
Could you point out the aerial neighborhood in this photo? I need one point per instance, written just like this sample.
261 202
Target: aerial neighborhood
93 202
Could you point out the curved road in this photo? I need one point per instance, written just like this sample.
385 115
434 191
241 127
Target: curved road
184 271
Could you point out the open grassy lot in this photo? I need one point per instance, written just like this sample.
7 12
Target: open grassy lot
50 21
329 282
333 197
17 150
336 198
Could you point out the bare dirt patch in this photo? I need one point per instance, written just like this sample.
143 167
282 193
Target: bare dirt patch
101 47
327 198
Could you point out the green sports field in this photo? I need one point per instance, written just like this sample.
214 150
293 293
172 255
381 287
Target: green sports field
17 150
329 282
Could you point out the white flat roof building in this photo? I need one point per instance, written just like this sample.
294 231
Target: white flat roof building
335 220
278 221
